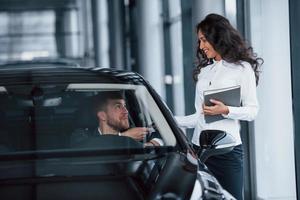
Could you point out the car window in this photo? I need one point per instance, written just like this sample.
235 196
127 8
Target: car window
58 116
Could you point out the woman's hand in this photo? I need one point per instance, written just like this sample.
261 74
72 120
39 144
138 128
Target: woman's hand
216 109
137 133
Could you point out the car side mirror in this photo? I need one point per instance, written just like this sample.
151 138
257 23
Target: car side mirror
215 142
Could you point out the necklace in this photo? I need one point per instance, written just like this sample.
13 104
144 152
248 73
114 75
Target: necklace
213 71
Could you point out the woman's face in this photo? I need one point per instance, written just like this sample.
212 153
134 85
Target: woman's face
207 48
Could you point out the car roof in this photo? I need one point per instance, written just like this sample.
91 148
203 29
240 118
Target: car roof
15 75
40 62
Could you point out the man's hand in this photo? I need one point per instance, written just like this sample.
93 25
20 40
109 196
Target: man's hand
151 143
216 109
137 133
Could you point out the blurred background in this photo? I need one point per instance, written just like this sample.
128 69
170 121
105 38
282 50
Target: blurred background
157 39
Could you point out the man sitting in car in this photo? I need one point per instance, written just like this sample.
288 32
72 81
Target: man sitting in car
112 114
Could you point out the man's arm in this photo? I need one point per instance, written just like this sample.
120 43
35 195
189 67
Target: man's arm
139 133
136 133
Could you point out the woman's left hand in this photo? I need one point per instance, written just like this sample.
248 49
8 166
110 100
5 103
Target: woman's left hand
216 109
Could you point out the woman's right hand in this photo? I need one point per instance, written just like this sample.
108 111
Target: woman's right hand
217 109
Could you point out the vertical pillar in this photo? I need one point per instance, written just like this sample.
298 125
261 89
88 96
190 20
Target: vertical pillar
86 37
176 55
100 33
294 16
150 43
274 128
67 33
116 33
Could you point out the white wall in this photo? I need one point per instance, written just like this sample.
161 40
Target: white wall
274 147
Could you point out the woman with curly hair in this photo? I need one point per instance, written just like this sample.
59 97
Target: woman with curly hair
224 60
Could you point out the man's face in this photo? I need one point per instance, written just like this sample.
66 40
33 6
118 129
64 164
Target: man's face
117 114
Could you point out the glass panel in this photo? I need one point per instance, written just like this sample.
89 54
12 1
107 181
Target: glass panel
58 116
55 130
26 35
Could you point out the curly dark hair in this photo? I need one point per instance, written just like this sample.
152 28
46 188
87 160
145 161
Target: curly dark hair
227 41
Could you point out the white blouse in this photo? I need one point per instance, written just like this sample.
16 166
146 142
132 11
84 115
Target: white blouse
222 74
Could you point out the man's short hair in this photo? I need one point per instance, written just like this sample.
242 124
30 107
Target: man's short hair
100 101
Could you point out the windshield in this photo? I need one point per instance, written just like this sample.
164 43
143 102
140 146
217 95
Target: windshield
76 116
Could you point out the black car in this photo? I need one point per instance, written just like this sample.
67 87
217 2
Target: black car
42 107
